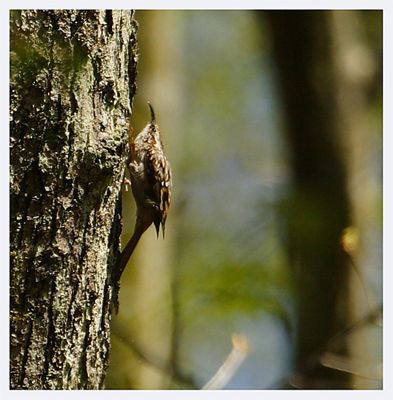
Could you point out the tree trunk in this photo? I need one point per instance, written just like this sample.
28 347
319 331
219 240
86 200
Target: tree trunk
72 84
308 69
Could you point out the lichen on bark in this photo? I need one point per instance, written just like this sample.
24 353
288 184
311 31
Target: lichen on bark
72 84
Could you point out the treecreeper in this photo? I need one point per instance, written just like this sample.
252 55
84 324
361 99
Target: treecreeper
151 184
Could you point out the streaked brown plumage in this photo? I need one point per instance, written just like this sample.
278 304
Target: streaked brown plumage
151 184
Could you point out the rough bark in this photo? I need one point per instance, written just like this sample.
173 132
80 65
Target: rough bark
72 84
304 46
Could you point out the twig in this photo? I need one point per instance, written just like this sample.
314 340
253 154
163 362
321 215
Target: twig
152 360
232 363
351 366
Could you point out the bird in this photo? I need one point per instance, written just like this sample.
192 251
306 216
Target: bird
151 183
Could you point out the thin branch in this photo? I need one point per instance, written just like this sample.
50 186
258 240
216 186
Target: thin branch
152 360
351 366
373 316
349 243
224 374
330 360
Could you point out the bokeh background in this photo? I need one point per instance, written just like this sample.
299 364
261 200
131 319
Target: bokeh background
270 273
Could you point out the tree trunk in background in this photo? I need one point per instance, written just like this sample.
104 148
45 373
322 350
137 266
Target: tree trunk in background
308 69
72 85
360 92
149 327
